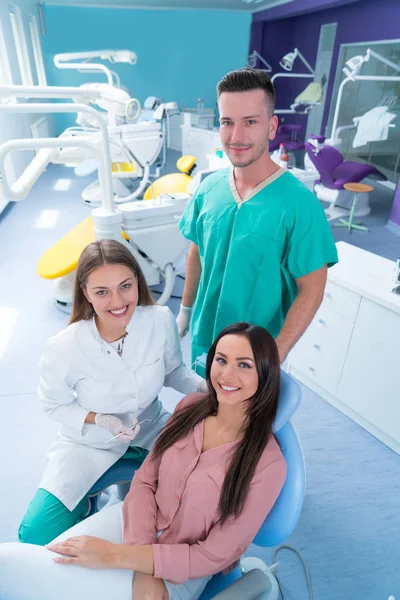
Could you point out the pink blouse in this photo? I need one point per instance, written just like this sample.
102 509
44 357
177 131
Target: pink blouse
178 494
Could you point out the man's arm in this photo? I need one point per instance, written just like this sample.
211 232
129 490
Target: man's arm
310 294
193 274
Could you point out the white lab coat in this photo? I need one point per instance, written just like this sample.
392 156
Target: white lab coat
80 372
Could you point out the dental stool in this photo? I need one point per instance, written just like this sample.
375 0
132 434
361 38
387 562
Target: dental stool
253 579
357 188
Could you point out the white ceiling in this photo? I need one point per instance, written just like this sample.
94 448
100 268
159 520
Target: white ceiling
241 5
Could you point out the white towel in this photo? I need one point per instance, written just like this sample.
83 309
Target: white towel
373 126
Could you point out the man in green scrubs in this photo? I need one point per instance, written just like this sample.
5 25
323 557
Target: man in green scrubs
261 243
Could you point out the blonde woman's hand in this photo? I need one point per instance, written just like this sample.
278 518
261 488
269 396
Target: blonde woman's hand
116 426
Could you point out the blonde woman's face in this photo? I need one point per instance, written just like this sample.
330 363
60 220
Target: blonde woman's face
113 292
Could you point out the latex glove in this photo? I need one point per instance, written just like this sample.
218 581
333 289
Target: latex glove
116 426
203 387
183 320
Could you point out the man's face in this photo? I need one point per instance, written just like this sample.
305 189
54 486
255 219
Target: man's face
246 126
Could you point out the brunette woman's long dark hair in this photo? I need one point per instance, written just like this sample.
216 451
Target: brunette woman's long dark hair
261 411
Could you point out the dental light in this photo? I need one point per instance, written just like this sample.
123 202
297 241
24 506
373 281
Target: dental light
82 61
252 61
353 66
113 56
288 60
121 56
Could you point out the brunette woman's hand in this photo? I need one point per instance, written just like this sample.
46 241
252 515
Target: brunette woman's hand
147 587
86 551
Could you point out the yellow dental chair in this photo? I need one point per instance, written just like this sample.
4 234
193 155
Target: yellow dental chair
62 258
174 182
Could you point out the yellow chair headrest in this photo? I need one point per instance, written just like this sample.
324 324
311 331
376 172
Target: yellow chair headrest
185 163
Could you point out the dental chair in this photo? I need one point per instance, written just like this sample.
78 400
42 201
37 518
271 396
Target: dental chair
335 172
150 228
137 135
253 579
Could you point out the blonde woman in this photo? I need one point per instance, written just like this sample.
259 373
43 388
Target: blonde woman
99 377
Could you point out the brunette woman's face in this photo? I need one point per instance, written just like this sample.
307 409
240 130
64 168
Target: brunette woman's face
113 292
234 374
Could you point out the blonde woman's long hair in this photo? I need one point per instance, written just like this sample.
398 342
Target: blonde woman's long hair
95 255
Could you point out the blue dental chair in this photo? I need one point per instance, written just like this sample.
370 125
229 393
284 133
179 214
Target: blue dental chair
258 583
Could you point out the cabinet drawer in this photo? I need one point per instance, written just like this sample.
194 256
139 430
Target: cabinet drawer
330 324
341 301
322 372
318 347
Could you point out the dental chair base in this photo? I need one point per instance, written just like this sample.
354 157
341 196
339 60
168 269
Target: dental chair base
255 584
252 580
135 148
91 194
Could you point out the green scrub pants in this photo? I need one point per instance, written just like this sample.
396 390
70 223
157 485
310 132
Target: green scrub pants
47 517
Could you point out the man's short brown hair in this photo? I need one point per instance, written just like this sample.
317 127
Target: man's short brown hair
246 79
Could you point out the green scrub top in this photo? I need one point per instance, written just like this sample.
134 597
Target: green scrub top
252 251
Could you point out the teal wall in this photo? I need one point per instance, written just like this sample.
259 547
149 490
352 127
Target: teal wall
181 53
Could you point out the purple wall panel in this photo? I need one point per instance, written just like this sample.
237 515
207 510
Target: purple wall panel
296 8
371 21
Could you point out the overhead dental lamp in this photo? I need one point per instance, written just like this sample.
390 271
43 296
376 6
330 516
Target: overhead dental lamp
114 56
353 66
288 60
82 61
252 61
121 56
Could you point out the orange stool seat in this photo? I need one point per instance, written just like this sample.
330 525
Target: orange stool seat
358 187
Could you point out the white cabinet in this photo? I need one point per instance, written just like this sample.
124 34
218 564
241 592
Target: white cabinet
349 355
199 143
190 118
175 132
370 380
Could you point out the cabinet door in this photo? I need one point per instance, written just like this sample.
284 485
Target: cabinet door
175 132
370 383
